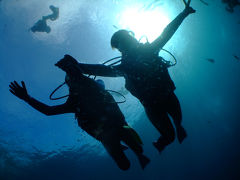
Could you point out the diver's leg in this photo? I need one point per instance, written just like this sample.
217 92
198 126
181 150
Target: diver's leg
131 138
174 109
113 147
159 118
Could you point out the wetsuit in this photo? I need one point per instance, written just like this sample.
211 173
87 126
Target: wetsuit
98 114
147 78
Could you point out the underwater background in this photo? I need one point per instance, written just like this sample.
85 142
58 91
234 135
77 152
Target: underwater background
207 76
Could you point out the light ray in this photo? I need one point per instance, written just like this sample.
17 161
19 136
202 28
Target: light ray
149 23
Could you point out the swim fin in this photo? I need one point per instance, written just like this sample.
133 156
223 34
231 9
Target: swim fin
134 133
159 147
143 160
181 134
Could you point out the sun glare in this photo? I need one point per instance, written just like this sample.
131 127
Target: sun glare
149 23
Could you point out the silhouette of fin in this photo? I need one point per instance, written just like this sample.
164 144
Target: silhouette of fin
144 160
181 134
159 146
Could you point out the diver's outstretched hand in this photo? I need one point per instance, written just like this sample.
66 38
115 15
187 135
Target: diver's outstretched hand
66 61
17 90
69 65
188 9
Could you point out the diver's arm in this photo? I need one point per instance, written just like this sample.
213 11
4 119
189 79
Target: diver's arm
21 92
171 29
49 110
100 70
91 69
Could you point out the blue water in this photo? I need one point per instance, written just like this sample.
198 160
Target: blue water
34 146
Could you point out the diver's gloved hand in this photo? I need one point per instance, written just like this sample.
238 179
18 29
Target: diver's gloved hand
188 9
66 61
17 90
69 65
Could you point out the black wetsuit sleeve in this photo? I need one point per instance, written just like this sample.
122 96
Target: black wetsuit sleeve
50 110
168 32
101 70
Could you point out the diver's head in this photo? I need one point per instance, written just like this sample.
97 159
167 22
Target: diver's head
73 81
123 40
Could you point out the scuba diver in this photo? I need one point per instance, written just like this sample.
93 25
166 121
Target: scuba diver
147 78
96 111
41 25
231 4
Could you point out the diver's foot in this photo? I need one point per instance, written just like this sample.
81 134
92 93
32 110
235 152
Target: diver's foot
181 134
144 160
159 146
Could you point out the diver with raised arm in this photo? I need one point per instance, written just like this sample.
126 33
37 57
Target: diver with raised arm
147 78
96 111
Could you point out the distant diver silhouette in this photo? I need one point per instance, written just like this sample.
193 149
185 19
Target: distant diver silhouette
41 25
95 111
147 78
